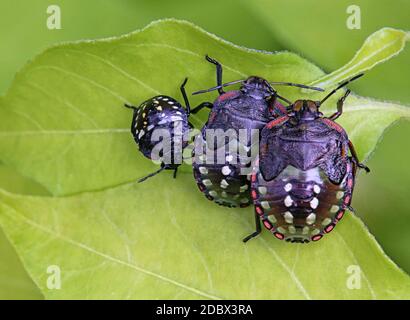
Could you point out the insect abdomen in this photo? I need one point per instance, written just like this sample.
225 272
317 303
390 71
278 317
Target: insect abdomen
301 206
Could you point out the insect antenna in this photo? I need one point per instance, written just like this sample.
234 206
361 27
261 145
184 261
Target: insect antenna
218 87
280 83
130 106
341 86
283 99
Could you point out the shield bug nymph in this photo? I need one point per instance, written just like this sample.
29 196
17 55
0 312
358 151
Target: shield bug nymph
225 179
303 181
162 119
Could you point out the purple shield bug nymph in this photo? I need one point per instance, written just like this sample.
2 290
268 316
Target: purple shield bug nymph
304 177
222 162
162 118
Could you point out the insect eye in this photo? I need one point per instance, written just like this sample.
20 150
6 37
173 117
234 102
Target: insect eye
312 106
298 105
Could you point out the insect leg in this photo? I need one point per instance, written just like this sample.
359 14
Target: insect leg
201 106
130 106
257 231
340 102
151 174
355 158
218 73
184 95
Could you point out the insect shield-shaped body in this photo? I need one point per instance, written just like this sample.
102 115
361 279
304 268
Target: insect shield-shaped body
160 128
223 153
305 179
222 162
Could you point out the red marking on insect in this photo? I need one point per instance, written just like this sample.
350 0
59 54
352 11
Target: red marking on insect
227 95
277 106
267 224
317 237
329 228
279 235
258 210
350 183
333 125
212 117
340 215
253 177
276 122
347 200
254 195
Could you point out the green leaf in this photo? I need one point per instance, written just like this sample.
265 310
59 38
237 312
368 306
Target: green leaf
14 281
131 243
378 47
64 124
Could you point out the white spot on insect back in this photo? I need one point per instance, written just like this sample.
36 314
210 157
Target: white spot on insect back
203 170
315 232
288 187
207 182
292 229
213 193
334 209
311 218
262 190
150 127
243 188
265 205
225 170
339 195
229 158
288 217
141 134
305 230
316 189
272 219
288 201
326 221
224 184
314 203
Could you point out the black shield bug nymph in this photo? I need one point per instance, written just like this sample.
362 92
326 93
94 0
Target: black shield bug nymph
235 118
163 118
304 180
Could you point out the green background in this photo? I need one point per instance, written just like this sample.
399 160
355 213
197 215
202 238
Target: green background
314 29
